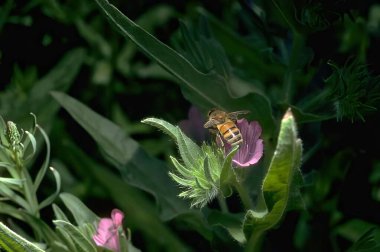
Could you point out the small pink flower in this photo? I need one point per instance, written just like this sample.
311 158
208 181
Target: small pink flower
251 150
107 234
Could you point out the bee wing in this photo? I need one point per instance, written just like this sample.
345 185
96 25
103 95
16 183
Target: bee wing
234 115
210 123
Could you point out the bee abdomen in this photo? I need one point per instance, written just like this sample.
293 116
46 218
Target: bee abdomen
231 133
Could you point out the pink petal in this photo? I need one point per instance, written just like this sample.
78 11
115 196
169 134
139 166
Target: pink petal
117 217
251 150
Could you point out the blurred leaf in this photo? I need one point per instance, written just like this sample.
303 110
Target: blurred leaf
281 183
81 213
142 213
12 242
198 87
37 99
231 222
52 197
59 214
137 167
42 230
82 244
368 242
244 52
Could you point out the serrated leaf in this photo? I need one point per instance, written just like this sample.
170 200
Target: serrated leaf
189 151
278 183
12 242
81 213
82 244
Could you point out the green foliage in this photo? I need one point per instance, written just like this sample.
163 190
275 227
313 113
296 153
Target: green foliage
354 91
204 172
261 56
12 242
281 183
137 167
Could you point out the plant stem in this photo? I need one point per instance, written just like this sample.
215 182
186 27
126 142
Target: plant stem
222 203
244 196
255 242
29 192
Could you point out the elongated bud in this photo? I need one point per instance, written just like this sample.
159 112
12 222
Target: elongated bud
12 133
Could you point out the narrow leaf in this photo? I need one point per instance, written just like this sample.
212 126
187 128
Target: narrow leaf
82 244
11 181
59 214
52 197
12 242
41 173
81 213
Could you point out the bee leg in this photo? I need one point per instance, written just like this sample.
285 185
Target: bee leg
219 140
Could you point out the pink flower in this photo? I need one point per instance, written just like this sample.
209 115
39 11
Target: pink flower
251 150
107 234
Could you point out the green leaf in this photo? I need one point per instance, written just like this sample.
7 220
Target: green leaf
52 197
14 197
136 166
82 244
59 214
231 222
200 88
11 181
281 183
81 213
368 242
227 175
37 98
42 230
12 242
142 214
41 173
189 151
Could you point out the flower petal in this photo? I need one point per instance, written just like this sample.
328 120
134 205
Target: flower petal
117 217
103 232
251 150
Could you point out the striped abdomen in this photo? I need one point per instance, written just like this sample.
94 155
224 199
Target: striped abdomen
230 132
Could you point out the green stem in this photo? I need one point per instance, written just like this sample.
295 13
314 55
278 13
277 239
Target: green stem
244 196
222 203
255 242
28 191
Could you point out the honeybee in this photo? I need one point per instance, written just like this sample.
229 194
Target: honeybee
224 125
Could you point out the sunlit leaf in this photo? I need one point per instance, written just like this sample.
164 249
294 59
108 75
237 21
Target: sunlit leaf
12 242
281 183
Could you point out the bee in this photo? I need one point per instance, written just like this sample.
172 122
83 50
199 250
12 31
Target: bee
223 124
